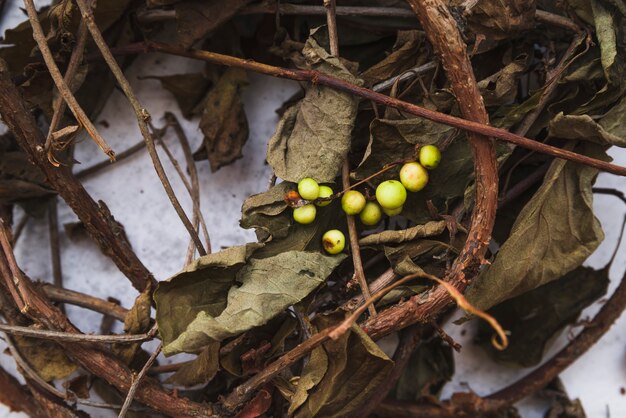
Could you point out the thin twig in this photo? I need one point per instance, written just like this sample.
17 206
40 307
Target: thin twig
345 174
55 250
83 300
271 7
338 84
73 337
60 83
137 380
86 172
17 231
142 119
58 105
406 75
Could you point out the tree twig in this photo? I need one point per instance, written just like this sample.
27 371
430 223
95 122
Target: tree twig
58 105
17 397
60 83
55 250
338 84
74 337
142 120
97 219
83 300
137 381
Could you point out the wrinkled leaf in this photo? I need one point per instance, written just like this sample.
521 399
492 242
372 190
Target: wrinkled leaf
223 121
428 369
554 233
584 127
268 286
534 317
261 212
429 229
201 370
313 137
403 258
614 121
197 18
355 368
201 287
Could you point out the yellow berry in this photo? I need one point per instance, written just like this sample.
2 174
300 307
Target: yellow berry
371 214
352 202
325 191
308 189
391 194
430 156
304 214
413 176
333 241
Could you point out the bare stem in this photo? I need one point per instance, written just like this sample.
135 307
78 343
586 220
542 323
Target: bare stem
137 380
60 83
142 119
74 337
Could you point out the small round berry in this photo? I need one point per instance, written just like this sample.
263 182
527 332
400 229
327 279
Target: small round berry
413 176
393 212
371 214
308 189
304 214
391 194
352 202
333 241
430 156
325 191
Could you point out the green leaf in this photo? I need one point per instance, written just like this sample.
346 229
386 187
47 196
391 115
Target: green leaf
534 317
583 127
201 287
429 229
268 286
428 369
355 367
313 137
199 371
554 233
223 122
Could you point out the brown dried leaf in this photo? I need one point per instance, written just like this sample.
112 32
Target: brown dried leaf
45 357
201 370
188 90
223 121
501 19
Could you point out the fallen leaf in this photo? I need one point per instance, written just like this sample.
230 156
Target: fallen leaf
201 370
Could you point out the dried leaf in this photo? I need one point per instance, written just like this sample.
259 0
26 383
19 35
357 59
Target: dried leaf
555 232
428 369
534 317
429 229
201 370
188 89
260 404
408 52
313 137
501 88
583 127
355 368
223 121
137 321
261 212
403 258
268 286
501 19
45 357
197 18
201 287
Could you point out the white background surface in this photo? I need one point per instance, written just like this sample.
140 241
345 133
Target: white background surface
136 198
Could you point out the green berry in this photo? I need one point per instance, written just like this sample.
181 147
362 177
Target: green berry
352 202
430 156
333 241
308 189
304 214
391 194
393 212
371 214
325 191
413 176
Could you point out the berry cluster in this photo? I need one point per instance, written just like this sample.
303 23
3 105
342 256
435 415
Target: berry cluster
390 197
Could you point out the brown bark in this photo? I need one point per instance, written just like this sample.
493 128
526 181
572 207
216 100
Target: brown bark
17 397
445 37
97 219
